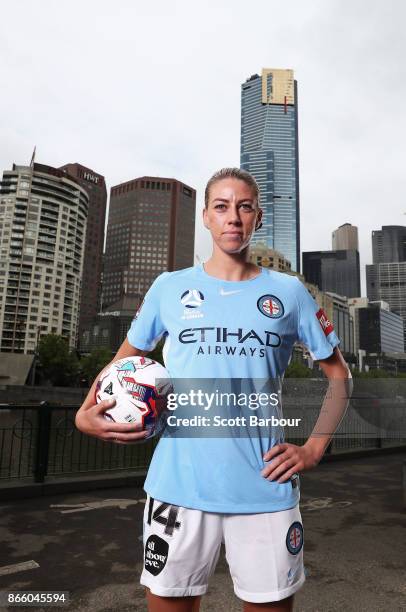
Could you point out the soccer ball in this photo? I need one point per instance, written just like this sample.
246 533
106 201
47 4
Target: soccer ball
139 386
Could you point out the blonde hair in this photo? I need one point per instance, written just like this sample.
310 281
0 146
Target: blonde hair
236 173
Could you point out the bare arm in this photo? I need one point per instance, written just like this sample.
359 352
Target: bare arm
89 418
288 459
334 405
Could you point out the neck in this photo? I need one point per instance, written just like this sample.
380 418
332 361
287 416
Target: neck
231 266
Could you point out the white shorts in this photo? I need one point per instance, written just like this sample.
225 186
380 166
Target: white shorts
181 548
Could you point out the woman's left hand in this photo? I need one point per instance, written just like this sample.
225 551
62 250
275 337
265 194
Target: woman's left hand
287 459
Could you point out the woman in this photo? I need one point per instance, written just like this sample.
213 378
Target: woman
227 320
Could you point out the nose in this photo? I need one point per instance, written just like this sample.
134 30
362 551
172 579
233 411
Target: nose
234 216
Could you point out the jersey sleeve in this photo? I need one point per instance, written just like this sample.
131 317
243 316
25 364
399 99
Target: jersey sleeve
147 327
315 330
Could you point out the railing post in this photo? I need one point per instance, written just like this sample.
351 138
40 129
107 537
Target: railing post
42 442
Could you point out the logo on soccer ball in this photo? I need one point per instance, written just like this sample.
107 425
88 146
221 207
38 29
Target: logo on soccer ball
270 306
125 376
294 538
192 298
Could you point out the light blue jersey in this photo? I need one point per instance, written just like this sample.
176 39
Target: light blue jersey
226 330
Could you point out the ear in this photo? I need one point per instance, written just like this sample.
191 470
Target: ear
205 220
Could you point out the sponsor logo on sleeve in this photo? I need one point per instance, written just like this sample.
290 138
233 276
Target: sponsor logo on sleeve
325 323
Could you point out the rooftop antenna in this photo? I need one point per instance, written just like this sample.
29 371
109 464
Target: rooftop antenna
33 157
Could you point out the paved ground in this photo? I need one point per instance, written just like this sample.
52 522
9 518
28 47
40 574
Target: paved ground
355 544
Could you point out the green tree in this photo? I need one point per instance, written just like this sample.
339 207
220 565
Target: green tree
296 369
92 364
58 364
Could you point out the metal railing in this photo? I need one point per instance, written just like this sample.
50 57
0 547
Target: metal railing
41 440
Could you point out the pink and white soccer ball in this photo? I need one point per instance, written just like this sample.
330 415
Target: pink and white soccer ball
139 385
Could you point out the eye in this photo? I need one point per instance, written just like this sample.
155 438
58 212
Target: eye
247 206
220 206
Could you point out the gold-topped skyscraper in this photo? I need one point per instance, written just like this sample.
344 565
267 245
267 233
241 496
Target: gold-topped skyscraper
269 151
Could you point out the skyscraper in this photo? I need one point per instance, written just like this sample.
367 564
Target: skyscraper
386 277
43 214
269 151
389 244
335 271
150 230
387 282
345 238
380 331
343 322
95 186
354 306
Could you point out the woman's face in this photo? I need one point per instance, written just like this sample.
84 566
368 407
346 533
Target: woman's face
232 214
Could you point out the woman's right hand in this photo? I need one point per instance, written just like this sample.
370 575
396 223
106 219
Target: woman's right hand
91 421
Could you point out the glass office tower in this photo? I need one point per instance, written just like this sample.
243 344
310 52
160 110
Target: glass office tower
269 151
389 244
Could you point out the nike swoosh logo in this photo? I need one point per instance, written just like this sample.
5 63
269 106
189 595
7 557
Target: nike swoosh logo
222 292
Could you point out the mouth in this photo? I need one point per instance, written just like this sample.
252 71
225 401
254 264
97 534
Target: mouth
232 233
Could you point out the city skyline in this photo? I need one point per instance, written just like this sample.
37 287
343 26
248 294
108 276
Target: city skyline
178 113
363 270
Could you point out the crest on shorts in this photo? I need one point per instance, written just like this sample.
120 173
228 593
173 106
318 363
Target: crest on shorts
294 538
270 306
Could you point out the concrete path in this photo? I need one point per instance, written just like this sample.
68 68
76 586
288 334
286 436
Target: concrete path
88 544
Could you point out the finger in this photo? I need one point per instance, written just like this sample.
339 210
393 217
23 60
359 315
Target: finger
130 438
104 405
289 474
132 442
113 427
281 469
276 461
275 450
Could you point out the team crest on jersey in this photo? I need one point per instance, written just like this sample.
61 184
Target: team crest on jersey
192 300
325 323
294 538
270 306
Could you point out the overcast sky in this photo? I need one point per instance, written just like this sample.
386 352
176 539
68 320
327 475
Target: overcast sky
138 87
